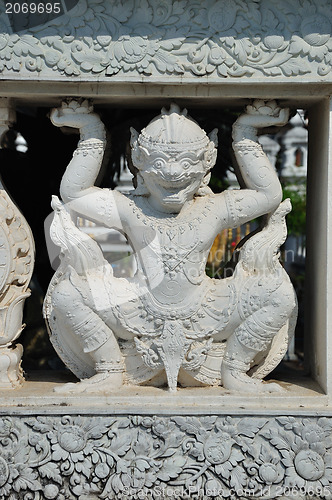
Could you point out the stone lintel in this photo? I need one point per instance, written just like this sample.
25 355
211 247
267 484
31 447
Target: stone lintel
300 94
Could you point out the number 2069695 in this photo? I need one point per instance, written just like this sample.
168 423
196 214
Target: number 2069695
33 8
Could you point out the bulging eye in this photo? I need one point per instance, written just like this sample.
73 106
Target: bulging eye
158 164
185 164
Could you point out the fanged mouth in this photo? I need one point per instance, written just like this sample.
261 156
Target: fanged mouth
174 186
173 195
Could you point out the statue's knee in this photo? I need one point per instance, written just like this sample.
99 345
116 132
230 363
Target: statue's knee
260 327
283 301
65 297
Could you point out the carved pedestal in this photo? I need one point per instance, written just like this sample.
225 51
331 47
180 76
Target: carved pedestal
16 266
145 443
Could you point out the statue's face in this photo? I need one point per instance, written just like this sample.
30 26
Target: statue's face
173 178
173 155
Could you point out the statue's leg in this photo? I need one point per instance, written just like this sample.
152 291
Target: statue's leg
93 336
261 316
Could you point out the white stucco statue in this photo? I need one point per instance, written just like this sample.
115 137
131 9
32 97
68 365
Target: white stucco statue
170 322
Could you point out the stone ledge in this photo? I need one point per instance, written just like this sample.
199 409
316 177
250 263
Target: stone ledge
301 397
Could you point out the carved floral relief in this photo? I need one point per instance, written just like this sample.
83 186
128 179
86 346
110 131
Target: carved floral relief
132 457
138 38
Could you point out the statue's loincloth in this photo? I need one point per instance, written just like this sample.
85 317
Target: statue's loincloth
167 336
204 313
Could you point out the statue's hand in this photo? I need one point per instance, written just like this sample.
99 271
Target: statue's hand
74 113
261 114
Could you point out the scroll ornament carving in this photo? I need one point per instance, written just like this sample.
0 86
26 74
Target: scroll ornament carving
62 457
138 38
16 266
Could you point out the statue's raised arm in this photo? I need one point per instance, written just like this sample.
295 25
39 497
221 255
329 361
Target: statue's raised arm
78 182
83 169
262 190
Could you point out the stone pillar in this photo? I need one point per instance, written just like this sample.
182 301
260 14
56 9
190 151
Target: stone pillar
16 266
319 245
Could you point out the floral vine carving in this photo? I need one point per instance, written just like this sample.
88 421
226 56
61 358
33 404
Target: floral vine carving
17 251
217 38
67 457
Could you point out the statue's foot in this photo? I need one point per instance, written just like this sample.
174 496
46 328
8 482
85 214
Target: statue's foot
103 382
235 380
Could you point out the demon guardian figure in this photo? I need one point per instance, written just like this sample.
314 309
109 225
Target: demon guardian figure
170 322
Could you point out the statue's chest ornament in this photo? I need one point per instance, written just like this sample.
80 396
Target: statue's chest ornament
174 246
173 238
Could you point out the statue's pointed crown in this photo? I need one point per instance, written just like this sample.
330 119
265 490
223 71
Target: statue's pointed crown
173 130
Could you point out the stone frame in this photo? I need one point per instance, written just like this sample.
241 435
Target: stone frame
314 98
318 320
